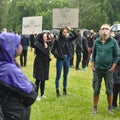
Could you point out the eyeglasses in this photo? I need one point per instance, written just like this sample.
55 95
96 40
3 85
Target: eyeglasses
105 28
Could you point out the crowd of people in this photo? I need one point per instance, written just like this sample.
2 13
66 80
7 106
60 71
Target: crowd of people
101 49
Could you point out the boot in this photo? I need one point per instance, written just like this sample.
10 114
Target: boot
57 93
65 92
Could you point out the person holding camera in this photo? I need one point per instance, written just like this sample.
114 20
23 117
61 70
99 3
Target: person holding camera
41 62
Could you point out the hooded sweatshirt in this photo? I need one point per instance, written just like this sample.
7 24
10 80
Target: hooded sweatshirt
10 74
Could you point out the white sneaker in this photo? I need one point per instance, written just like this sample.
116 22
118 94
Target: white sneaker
38 98
43 97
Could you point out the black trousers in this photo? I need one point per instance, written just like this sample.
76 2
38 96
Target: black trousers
116 91
13 108
84 60
71 60
23 58
78 59
40 84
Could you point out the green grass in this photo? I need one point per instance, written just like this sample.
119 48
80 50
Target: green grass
76 106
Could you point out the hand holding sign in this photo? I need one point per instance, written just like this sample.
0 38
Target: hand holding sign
69 28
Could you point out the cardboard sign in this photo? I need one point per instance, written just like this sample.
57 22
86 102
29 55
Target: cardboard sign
65 17
32 25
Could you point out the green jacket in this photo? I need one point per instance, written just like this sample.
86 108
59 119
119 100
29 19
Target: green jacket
104 55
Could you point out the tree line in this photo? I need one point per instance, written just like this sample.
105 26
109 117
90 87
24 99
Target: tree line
92 13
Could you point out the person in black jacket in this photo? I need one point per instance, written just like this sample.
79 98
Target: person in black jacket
85 49
41 62
81 48
23 55
61 52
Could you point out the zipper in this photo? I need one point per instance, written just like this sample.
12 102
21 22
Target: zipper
102 52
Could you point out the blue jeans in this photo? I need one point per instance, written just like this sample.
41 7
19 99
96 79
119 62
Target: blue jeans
65 64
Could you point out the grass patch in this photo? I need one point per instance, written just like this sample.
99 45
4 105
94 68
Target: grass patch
76 106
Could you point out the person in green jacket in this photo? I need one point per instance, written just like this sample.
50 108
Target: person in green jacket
104 60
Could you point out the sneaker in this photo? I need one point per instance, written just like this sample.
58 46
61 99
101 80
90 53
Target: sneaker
115 107
94 111
38 98
83 69
77 68
57 93
72 66
110 111
66 94
43 97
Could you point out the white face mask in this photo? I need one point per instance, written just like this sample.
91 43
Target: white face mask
105 31
64 33
45 37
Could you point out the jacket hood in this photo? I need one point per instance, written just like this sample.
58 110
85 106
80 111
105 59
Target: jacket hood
40 38
10 74
9 43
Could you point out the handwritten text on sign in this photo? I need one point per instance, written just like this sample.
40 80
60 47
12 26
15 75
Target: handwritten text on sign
32 25
65 17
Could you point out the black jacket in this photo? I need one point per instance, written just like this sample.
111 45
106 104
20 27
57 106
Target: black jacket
14 103
57 46
42 59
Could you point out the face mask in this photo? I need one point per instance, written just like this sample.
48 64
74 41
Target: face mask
105 33
64 34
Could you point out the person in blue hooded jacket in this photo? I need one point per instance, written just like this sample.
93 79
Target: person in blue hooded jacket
17 93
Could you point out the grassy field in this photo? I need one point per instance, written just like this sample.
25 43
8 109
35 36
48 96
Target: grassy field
76 106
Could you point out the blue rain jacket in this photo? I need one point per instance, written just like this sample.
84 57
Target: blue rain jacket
10 74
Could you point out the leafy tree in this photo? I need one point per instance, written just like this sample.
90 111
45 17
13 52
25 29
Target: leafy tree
115 16
3 11
45 7
92 13
111 7
23 8
18 10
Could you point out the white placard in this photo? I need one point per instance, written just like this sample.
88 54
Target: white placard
65 17
32 25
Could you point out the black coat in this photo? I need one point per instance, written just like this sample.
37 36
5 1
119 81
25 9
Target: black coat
41 61
81 45
15 103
